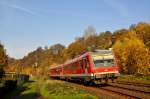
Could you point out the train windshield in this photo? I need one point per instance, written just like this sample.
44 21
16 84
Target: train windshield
103 63
103 58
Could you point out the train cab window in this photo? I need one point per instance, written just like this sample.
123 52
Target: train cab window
98 63
108 62
104 63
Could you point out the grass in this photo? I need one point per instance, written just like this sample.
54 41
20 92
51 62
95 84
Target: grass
48 89
56 89
53 89
135 78
30 91
23 91
2 82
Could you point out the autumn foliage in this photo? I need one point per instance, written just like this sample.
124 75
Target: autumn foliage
131 48
132 55
3 59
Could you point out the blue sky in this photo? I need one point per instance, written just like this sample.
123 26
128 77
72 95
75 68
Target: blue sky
27 24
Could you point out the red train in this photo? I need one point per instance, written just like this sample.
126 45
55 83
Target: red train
91 67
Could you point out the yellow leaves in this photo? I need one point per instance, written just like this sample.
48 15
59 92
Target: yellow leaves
132 54
143 32
76 48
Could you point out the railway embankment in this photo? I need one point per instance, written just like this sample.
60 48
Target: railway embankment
45 88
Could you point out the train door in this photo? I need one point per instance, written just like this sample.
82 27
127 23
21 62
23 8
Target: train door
86 65
82 66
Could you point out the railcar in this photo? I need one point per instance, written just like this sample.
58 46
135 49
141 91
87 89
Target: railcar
91 67
56 72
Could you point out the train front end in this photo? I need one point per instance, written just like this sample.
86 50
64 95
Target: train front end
104 66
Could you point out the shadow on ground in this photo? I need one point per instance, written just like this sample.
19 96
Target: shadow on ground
29 96
31 81
17 93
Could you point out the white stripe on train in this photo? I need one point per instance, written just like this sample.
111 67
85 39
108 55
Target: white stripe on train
89 74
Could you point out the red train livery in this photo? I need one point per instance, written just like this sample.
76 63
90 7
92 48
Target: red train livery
91 67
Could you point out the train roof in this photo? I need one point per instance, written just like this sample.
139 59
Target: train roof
102 52
53 67
77 58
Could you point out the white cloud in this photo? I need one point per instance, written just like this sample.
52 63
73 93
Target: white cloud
22 9
118 6
18 8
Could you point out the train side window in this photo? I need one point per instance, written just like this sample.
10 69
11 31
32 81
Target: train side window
70 66
67 67
78 65
73 66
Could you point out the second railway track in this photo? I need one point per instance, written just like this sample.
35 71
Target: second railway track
133 83
128 90
116 91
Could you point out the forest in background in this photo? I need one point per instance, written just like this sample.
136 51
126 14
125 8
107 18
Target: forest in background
131 48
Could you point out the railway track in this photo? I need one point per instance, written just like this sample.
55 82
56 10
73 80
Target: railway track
133 83
131 91
117 90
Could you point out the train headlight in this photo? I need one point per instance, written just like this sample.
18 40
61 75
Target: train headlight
117 74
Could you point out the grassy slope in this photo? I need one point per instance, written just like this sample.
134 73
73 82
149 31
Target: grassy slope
49 89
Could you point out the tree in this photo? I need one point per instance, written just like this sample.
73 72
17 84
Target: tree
104 40
143 32
89 31
3 60
57 48
75 48
132 55
57 53
119 34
